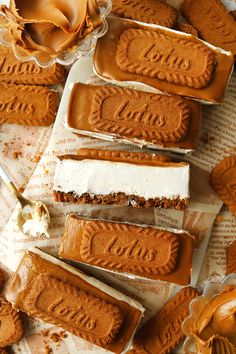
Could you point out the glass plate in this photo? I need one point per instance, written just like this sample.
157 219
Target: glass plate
211 287
85 46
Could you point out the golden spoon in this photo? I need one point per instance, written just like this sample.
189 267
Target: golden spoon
33 217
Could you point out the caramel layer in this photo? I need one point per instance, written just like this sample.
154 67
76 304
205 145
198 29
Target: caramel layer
18 72
62 297
143 251
163 332
134 115
150 11
212 21
231 258
160 55
64 305
106 65
11 324
27 105
223 180
137 158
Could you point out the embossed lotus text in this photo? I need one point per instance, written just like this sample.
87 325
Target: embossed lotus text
83 314
165 56
164 330
133 114
129 248
14 105
18 68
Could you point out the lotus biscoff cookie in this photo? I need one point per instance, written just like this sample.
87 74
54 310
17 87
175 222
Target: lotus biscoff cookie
163 332
27 105
170 61
11 325
48 289
223 181
29 73
214 24
150 11
142 118
147 252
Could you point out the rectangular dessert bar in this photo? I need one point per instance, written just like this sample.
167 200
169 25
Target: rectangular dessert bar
54 292
144 251
104 177
29 73
164 59
140 118
27 104
163 332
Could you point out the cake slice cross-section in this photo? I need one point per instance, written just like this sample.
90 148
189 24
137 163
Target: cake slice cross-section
136 179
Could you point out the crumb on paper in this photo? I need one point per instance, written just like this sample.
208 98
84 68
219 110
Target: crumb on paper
36 158
17 154
55 337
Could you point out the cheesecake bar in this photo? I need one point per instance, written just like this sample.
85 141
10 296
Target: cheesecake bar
139 118
27 105
29 73
56 293
140 250
103 177
164 59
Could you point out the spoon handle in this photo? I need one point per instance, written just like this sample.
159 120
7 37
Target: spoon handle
4 175
10 184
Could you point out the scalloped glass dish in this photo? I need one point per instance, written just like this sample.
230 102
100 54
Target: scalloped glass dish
211 287
86 46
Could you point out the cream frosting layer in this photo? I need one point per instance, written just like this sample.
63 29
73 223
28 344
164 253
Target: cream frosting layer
105 177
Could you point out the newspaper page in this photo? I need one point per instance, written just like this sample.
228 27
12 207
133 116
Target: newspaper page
217 139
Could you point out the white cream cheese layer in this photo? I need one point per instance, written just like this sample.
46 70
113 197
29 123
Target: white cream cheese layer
106 177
